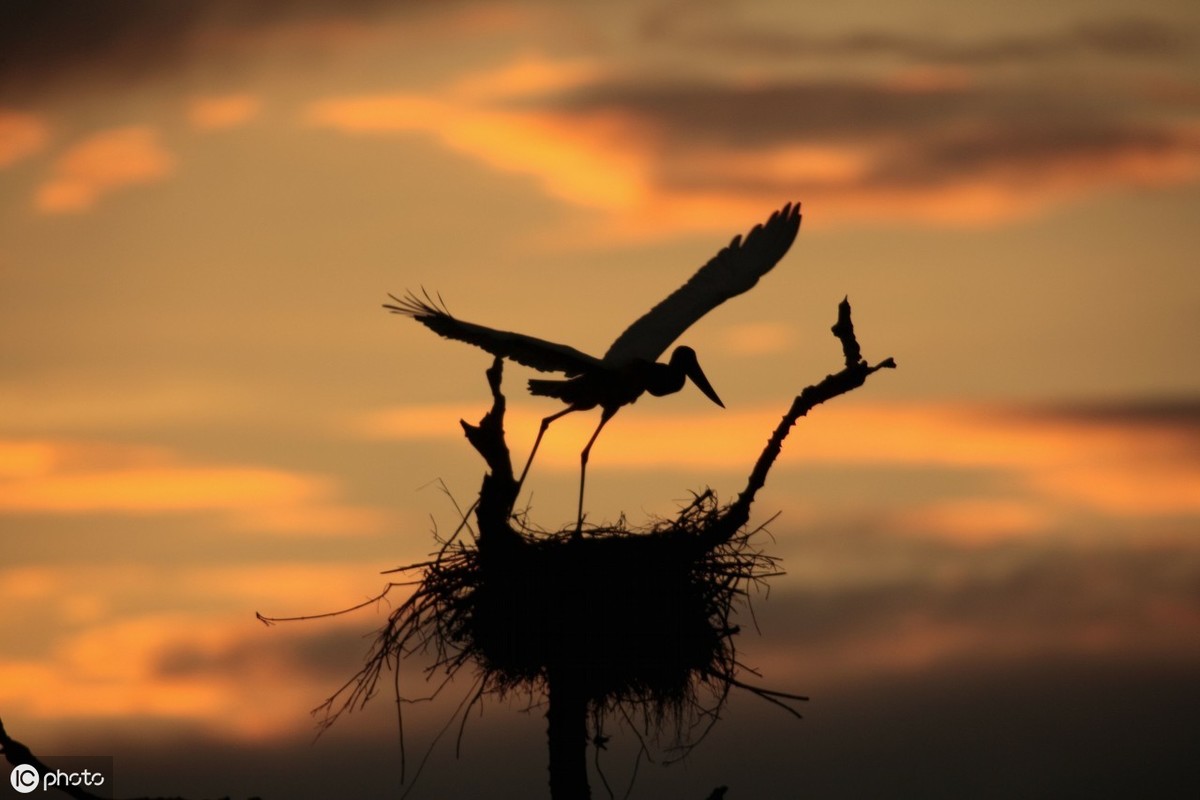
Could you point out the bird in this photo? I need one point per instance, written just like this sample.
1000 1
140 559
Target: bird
629 368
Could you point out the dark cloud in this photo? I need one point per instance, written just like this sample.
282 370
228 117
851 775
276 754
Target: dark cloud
1022 146
321 654
60 44
765 114
837 110
43 44
1039 598
918 136
1133 36
1113 37
1181 413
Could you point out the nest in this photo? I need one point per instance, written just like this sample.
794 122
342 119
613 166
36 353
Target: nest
641 620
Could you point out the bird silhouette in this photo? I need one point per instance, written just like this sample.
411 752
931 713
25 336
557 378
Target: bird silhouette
629 368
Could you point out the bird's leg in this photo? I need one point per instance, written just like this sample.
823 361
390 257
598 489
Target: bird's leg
605 416
541 432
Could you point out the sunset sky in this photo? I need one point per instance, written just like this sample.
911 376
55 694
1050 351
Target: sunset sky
992 553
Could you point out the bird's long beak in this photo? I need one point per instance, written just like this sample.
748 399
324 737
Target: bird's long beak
693 371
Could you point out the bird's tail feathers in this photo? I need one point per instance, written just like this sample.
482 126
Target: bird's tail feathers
418 307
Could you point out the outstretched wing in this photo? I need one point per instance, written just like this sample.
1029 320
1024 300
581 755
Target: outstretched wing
732 271
527 350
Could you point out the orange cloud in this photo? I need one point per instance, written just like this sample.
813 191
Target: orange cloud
103 163
1136 487
199 658
979 520
24 459
121 670
222 112
49 597
587 138
43 477
601 160
1105 466
575 160
167 488
528 74
21 135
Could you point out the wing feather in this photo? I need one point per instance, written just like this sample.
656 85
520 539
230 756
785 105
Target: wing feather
528 350
731 272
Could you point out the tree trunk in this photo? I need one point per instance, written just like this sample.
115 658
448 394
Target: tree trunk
567 732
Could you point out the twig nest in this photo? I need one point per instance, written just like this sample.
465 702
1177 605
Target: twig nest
640 617
627 613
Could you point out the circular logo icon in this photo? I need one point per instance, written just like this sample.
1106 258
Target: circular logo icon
24 778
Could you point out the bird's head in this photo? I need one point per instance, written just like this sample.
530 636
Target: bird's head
684 360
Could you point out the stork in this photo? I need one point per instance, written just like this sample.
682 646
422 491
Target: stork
629 368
